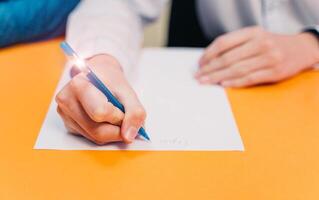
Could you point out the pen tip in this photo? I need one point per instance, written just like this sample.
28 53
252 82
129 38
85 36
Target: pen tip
146 137
143 133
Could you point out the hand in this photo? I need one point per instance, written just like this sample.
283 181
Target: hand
253 56
86 111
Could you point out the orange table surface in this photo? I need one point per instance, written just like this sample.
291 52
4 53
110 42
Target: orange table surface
279 125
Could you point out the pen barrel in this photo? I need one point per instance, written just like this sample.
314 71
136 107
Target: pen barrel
111 98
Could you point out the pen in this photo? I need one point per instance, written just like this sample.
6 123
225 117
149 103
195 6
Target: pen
97 82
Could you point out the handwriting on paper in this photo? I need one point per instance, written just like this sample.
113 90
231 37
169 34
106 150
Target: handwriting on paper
175 141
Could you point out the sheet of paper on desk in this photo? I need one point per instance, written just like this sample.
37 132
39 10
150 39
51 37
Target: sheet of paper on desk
182 115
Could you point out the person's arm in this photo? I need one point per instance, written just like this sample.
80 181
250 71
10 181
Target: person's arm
252 56
33 20
111 27
108 33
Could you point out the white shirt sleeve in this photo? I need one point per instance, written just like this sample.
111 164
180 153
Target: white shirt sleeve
113 27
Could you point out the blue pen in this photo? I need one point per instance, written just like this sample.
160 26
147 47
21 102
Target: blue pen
97 82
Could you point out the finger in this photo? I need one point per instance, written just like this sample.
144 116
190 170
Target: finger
70 124
258 77
134 113
95 103
228 41
74 71
104 133
64 99
237 70
244 51
100 133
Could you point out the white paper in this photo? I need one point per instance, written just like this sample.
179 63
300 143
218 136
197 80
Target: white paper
182 115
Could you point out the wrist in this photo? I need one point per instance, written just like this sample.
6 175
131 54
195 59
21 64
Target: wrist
311 45
104 61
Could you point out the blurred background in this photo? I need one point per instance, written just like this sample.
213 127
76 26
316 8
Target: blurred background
20 21
156 34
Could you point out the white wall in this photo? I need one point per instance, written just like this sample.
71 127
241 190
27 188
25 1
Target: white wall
156 34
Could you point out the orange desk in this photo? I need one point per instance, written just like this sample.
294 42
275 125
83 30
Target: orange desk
279 125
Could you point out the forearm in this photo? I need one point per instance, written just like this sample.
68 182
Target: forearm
110 27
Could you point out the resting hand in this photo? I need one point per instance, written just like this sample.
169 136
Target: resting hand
253 56
86 111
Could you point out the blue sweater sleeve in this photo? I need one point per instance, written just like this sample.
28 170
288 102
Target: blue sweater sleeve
30 20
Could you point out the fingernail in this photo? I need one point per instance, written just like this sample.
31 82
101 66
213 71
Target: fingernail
131 133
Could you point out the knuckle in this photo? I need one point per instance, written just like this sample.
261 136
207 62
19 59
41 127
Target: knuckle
116 117
61 98
65 103
98 114
115 114
139 114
